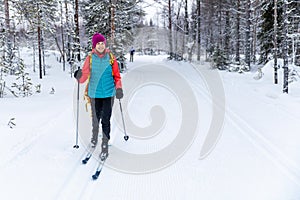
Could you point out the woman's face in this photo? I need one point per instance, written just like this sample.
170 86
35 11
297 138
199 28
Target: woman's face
100 47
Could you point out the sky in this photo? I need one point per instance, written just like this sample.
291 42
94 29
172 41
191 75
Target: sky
151 8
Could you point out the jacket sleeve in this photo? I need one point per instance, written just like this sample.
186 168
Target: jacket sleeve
85 70
116 74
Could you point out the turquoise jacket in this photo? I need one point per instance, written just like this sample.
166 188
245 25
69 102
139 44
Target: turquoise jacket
103 77
101 83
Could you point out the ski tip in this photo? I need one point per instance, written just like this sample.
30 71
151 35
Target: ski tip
84 161
126 137
94 177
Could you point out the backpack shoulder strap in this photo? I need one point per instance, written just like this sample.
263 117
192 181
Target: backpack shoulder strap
111 58
90 55
86 96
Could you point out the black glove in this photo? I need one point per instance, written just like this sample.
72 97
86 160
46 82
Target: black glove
119 93
78 74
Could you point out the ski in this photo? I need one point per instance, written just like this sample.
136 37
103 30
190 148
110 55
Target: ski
99 169
88 155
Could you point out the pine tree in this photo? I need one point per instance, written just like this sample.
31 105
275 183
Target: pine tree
265 35
124 27
219 59
96 18
39 14
117 26
294 31
23 85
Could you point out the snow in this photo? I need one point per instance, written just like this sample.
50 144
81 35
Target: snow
254 156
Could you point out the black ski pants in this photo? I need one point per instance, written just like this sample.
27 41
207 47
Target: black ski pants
101 110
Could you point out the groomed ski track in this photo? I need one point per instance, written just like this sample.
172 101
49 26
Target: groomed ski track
245 164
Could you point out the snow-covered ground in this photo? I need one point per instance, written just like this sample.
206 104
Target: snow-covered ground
173 112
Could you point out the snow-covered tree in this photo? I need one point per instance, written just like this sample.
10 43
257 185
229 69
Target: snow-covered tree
113 19
124 27
219 59
266 32
6 37
22 87
40 15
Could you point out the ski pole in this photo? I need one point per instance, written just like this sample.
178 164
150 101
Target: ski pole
126 137
76 146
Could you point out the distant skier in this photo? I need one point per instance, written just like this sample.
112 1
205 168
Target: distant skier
132 50
101 71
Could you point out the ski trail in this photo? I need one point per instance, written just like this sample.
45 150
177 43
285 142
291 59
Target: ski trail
90 186
273 153
88 189
269 150
33 138
74 179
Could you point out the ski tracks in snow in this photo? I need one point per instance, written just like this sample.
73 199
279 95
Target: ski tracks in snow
255 137
33 137
77 181
81 180
269 150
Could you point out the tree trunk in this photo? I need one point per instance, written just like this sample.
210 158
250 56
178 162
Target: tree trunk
254 36
178 30
40 51
186 30
237 53
7 55
77 40
247 35
198 29
7 20
43 52
62 37
68 35
285 49
39 43
275 43
170 28
227 34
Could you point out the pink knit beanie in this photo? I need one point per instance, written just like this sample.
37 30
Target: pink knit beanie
97 37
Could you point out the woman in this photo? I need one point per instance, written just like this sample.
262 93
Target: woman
101 71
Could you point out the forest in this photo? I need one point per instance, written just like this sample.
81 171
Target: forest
233 35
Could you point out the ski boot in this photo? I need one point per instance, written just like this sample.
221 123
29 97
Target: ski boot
104 148
94 143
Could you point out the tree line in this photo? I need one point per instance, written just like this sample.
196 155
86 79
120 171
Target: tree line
226 32
63 25
240 33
